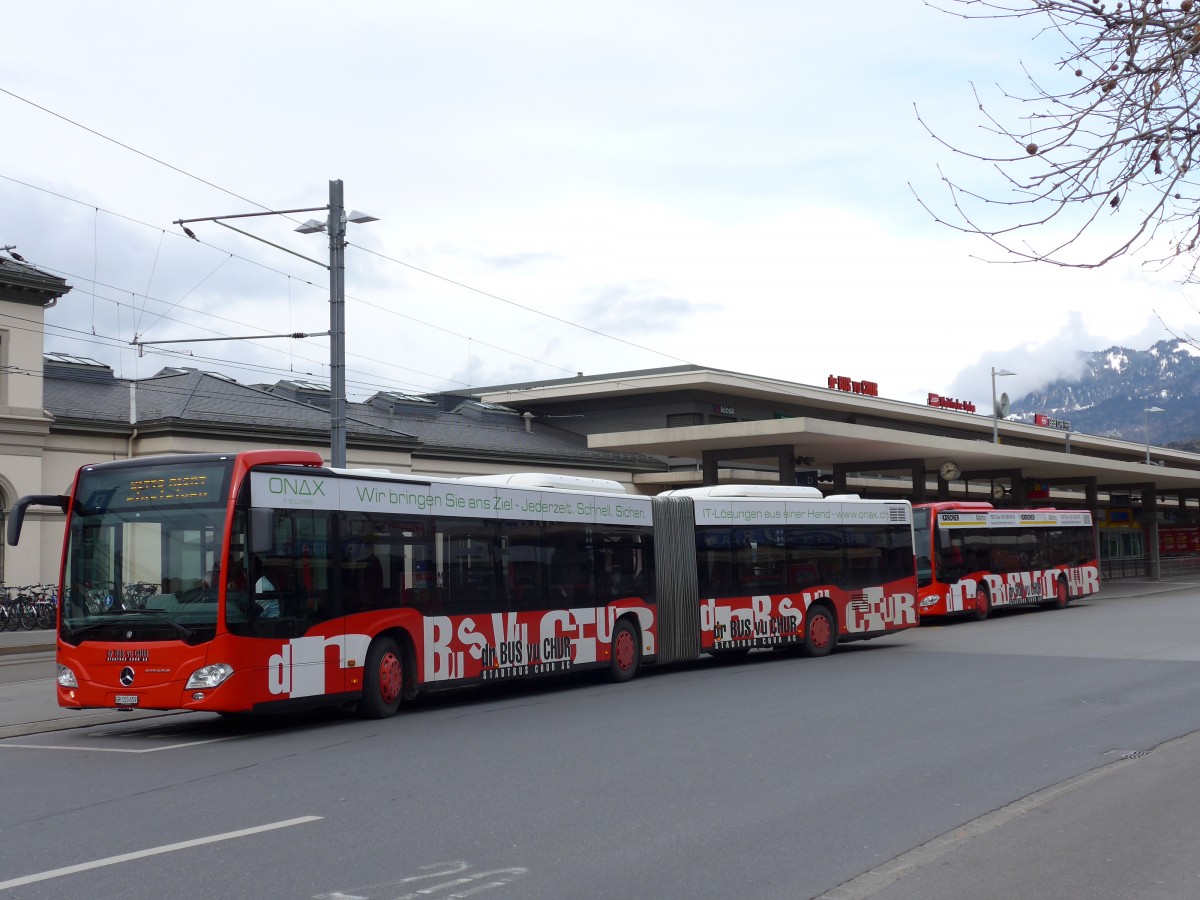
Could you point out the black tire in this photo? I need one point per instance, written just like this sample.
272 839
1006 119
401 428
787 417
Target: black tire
983 604
820 631
29 616
625 652
1062 596
383 680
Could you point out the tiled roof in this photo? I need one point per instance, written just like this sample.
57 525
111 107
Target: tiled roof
23 283
191 398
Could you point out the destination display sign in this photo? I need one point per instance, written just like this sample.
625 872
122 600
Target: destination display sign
168 485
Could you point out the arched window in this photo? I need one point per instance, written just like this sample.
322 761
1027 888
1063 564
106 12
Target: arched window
3 531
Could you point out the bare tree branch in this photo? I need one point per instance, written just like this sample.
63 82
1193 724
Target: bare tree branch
1107 143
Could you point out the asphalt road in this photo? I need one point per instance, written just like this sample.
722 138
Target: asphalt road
1040 754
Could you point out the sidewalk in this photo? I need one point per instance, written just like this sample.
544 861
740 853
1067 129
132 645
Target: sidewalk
30 705
1124 829
38 641
1132 587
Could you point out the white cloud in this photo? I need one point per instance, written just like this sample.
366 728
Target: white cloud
724 188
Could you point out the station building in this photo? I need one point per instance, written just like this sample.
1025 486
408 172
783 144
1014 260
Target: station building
651 430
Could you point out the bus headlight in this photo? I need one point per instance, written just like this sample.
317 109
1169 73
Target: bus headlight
209 676
66 678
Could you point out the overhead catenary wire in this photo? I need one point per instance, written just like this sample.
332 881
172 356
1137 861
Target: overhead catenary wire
125 146
107 341
529 309
388 363
426 272
228 255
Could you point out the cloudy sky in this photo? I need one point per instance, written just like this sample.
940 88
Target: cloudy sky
561 188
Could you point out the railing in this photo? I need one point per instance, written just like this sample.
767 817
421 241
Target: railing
1169 567
1113 569
1174 566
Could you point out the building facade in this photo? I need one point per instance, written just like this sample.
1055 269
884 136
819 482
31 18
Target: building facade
650 429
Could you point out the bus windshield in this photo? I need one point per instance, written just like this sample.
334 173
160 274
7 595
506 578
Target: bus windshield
142 549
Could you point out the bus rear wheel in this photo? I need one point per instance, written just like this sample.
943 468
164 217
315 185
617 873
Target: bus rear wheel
1062 596
625 652
383 680
983 604
820 632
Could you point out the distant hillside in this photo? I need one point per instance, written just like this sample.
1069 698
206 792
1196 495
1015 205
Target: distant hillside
1117 384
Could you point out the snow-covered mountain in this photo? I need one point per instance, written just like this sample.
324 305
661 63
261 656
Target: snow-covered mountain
1117 385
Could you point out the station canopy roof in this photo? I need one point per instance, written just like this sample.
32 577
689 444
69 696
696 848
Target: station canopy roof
848 430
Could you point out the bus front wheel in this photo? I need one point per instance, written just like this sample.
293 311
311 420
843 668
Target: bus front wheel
983 604
625 652
820 632
383 680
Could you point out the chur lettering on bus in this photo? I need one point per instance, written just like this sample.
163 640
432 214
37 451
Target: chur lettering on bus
766 621
1016 588
874 609
509 645
758 621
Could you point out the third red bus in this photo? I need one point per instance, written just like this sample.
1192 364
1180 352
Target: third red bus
973 558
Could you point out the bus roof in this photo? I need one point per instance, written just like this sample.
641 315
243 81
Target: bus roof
549 480
955 504
749 491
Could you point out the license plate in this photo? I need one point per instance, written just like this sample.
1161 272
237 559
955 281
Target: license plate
126 700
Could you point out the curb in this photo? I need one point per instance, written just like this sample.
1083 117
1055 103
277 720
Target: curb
43 646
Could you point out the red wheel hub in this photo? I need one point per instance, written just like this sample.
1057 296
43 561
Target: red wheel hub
819 630
391 678
623 650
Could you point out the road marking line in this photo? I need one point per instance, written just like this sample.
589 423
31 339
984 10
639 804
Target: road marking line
114 749
153 851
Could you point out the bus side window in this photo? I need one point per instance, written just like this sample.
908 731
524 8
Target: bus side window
468 566
371 588
720 580
951 562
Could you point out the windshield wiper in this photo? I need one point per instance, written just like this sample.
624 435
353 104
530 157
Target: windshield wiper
183 631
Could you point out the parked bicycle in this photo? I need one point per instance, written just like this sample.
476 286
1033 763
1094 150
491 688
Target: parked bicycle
28 607
45 599
19 608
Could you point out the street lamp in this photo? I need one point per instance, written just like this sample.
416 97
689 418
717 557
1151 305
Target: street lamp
335 225
1146 418
996 405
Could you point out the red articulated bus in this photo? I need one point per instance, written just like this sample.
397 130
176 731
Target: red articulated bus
973 558
264 581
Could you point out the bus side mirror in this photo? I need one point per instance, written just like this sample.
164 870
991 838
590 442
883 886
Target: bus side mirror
17 514
262 531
